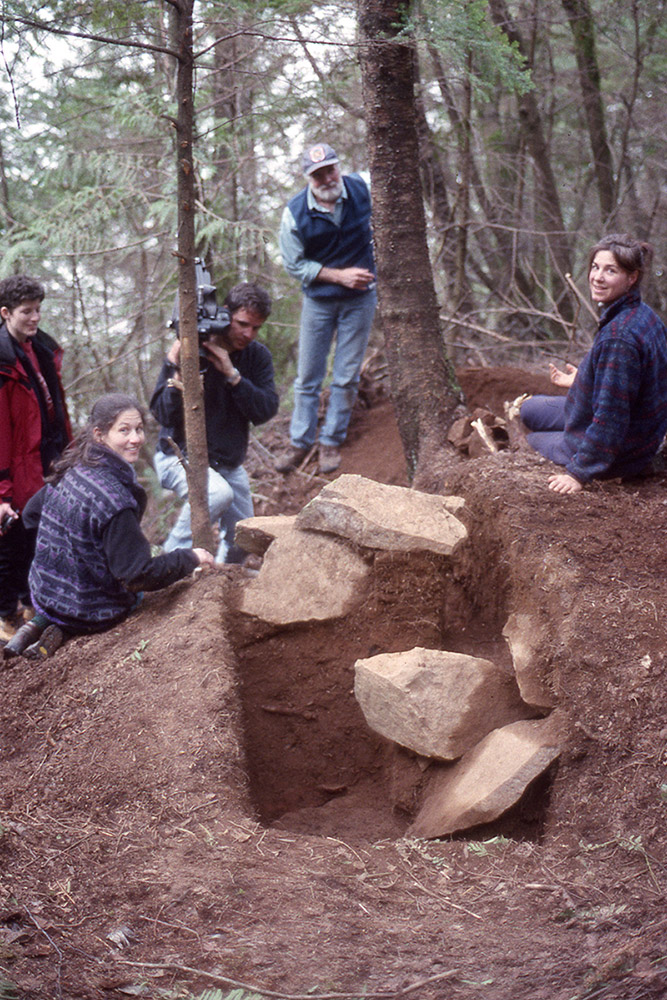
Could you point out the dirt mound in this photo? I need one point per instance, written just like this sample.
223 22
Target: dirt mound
189 802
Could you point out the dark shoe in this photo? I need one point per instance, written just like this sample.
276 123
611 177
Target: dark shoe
27 634
51 639
292 459
329 458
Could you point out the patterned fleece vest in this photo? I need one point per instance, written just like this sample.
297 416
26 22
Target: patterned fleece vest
69 578
347 245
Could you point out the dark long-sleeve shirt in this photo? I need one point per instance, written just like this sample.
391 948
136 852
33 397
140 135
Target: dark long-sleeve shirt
229 409
128 552
616 409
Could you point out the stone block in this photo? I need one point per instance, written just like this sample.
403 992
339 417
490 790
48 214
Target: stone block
305 577
527 639
437 703
255 534
392 518
489 779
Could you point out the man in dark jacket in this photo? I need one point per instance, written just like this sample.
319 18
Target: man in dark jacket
239 390
326 242
34 429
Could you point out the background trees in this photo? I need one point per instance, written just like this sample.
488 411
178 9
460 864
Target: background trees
539 125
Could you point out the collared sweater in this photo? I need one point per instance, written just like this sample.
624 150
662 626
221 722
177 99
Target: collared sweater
616 408
91 557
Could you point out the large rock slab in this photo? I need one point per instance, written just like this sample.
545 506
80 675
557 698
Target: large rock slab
489 779
527 639
437 703
255 534
392 518
305 577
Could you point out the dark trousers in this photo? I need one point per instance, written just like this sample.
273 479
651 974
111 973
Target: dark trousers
17 548
544 416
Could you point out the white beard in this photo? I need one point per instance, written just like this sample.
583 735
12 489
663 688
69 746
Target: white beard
330 193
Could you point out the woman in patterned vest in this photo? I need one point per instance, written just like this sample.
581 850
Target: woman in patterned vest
92 560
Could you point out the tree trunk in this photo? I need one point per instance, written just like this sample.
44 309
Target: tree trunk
193 399
530 122
423 383
583 31
495 241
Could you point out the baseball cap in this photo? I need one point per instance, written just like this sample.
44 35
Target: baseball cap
317 156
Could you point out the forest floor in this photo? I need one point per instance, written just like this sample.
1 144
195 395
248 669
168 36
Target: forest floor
191 805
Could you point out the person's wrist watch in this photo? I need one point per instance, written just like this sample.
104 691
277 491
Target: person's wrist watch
234 378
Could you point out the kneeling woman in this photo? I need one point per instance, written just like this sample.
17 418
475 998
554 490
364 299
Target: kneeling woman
614 417
92 560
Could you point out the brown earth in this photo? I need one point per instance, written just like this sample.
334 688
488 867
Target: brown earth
190 803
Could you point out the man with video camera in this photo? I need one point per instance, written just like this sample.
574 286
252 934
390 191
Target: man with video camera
239 389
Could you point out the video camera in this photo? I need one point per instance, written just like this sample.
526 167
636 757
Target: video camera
212 319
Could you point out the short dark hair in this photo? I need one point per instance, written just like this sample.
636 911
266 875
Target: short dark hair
19 288
247 295
630 254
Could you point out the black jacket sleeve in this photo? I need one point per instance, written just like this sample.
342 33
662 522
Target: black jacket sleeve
33 509
130 560
256 395
166 402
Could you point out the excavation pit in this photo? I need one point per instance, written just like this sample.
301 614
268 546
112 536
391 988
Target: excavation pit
314 765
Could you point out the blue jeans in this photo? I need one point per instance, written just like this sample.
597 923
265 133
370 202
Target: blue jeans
545 417
351 320
229 501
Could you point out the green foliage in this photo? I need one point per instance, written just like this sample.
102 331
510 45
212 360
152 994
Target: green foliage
138 653
88 182
482 848
474 46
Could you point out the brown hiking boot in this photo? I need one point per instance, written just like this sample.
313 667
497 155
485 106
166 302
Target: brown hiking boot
50 640
329 458
292 459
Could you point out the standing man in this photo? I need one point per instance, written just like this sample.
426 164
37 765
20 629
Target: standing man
34 429
326 242
239 389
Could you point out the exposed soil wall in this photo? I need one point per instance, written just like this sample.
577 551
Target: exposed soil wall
163 832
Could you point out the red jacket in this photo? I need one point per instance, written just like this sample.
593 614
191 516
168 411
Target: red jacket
26 450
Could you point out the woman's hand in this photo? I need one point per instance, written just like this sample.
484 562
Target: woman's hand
563 379
563 482
205 557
